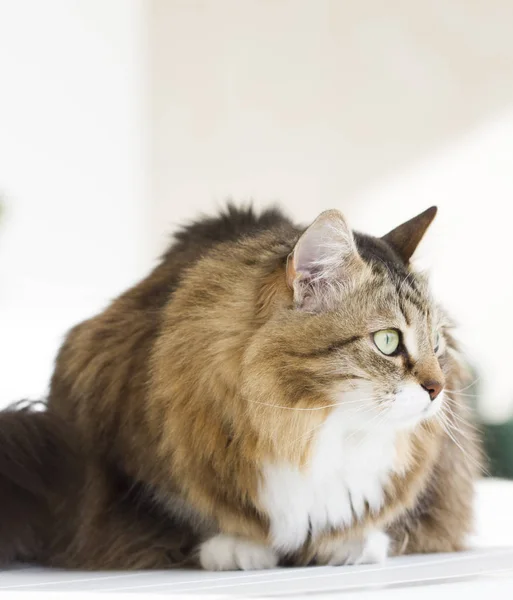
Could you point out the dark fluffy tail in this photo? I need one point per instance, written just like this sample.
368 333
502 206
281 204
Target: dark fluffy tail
38 467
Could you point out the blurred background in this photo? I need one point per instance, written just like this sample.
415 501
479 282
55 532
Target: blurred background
120 119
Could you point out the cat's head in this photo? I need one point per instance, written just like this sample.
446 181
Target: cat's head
361 333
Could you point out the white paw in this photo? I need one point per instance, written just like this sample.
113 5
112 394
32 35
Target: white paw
372 549
230 553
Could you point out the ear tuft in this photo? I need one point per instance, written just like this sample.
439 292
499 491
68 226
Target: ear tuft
321 260
405 238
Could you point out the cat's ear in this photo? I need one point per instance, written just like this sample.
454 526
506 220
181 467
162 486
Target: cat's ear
405 238
322 260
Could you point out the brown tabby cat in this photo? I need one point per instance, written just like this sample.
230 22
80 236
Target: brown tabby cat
267 395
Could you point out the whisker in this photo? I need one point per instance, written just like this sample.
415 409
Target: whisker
458 428
462 394
405 281
455 428
363 411
297 408
466 422
465 388
446 426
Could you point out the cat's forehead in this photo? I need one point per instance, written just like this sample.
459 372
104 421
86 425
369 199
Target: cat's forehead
391 292
403 297
380 256
391 274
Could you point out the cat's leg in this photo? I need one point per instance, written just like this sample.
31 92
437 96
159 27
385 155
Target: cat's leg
122 542
372 547
230 553
443 516
432 527
109 526
441 522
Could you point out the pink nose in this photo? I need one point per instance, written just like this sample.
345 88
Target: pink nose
432 387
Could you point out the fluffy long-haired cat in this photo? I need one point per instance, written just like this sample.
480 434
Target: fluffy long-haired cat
268 395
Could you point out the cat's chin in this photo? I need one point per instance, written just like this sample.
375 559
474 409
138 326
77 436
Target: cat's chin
434 408
427 415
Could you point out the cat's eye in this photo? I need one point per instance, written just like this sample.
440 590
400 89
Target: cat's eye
387 341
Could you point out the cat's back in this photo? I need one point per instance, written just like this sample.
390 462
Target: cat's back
102 369
194 241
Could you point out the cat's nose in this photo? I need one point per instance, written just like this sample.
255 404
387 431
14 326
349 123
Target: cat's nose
432 387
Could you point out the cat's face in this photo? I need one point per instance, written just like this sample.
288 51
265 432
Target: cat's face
364 336
393 359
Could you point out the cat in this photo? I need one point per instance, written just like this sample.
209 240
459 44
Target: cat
269 395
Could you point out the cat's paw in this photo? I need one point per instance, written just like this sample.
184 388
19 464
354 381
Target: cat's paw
230 553
373 548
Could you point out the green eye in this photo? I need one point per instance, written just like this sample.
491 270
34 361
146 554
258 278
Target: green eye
387 341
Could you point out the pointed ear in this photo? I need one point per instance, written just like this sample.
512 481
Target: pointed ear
405 238
322 260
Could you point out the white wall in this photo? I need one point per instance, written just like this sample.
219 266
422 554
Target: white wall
308 101
72 172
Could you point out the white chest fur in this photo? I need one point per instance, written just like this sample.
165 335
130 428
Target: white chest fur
346 472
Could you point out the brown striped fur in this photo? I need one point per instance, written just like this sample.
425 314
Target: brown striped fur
166 395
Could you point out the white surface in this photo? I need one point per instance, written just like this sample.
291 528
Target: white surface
486 569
